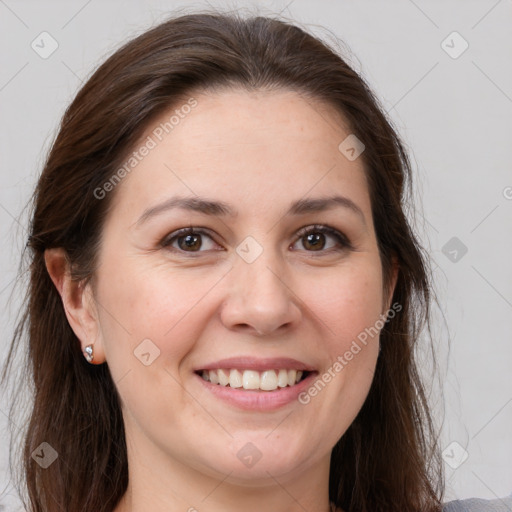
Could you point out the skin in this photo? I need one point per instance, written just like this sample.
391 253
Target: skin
258 151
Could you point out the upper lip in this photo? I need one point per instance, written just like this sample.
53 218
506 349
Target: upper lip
257 364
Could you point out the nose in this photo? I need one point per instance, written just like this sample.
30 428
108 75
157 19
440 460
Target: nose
259 299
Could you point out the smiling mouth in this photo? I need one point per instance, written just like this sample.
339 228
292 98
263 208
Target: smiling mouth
268 380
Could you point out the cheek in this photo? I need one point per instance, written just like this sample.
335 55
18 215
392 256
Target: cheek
347 302
163 306
155 313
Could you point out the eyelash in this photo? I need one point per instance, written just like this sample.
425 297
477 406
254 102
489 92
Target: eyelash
343 242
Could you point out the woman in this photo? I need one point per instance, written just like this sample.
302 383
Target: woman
225 293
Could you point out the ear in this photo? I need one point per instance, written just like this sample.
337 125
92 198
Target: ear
78 302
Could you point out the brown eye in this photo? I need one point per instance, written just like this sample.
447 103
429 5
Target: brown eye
188 240
314 241
316 238
192 242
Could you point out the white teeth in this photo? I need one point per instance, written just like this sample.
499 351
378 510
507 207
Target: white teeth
214 378
223 377
251 380
282 379
235 379
268 380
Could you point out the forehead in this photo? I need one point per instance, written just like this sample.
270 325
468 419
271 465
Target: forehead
269 146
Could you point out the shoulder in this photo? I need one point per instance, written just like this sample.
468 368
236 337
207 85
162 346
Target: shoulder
479 505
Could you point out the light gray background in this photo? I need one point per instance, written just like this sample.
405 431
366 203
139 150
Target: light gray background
453 113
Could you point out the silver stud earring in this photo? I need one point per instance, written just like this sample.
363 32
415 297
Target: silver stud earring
88 353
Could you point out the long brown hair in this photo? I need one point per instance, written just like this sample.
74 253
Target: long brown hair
389 458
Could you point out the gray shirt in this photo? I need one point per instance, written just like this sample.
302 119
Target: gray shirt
479 505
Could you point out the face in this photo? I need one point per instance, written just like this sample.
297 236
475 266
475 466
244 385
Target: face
273 280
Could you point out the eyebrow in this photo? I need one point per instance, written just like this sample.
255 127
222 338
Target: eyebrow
222 209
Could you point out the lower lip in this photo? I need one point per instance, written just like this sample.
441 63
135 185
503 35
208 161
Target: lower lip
257 400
